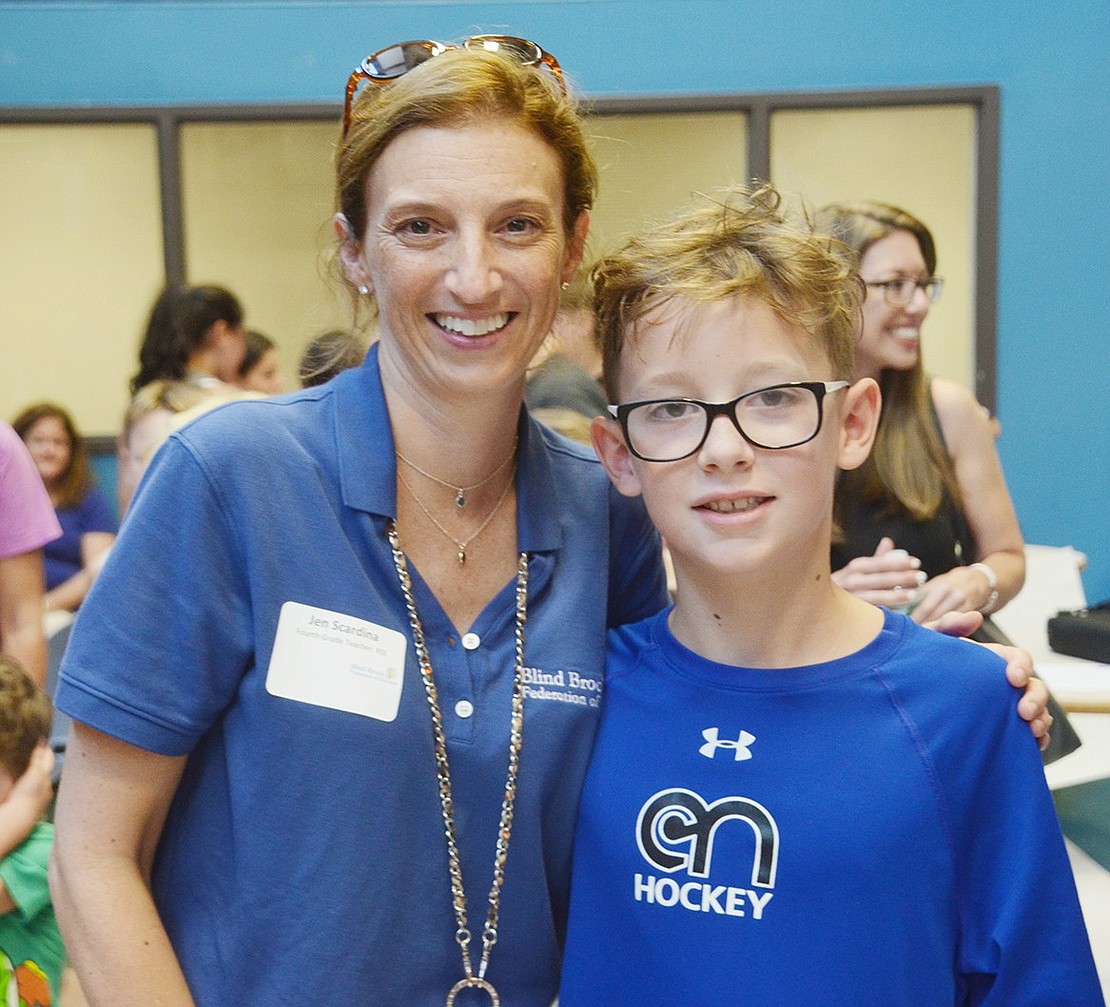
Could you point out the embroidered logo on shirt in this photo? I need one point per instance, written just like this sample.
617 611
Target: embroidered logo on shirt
713 742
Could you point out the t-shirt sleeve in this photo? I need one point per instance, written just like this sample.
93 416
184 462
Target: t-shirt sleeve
27 521
23 871
637 580
165 635
1024 940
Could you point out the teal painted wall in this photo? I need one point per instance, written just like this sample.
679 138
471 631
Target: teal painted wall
1049 59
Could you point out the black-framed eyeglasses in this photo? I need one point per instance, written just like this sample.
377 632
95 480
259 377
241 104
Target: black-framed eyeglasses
775 417
899 292
396 60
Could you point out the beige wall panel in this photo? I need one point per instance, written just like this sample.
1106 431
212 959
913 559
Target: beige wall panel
919 158
80 263
257 217
652 165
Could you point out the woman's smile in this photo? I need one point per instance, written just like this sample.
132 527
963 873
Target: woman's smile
472 327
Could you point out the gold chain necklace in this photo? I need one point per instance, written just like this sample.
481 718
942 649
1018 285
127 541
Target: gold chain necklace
460 491
461 546
443 775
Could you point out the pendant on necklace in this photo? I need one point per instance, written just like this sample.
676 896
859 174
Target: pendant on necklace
460 498
474 982
462 555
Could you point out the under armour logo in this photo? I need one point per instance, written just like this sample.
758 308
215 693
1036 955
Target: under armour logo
712 743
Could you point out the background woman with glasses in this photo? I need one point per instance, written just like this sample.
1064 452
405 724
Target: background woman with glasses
927 521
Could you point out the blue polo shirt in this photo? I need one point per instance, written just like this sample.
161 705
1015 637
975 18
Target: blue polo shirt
304 855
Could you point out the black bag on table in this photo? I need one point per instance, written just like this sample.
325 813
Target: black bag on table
1084 632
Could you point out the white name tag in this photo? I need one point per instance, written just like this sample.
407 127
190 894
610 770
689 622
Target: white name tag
335 660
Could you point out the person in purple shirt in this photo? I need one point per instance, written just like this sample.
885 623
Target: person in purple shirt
27 523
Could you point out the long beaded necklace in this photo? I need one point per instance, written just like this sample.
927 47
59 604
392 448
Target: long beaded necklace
460 491
471 979
460 546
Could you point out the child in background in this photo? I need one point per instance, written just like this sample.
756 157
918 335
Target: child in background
260 370
781 805
31 952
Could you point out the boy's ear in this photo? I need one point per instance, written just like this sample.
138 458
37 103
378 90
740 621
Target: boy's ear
608 439
859 419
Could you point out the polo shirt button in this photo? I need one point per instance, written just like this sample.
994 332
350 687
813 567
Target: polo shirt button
464 708
471 641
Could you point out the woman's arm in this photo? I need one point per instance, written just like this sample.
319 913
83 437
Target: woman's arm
21 594
68 595
111 808
988 508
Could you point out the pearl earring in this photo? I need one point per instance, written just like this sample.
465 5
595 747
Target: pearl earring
363 289
564 285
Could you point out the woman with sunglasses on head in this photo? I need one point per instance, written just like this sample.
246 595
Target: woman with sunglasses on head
320 605
926 524
347 751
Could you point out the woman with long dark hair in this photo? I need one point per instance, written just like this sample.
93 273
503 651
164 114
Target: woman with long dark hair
192 333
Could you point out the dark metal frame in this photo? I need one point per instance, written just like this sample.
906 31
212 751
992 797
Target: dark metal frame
758 108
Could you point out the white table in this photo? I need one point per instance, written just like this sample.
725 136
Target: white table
1080 686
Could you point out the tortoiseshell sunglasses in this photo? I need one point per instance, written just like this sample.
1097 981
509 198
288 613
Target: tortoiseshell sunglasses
396 60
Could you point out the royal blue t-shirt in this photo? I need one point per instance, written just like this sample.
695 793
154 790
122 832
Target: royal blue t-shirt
872 831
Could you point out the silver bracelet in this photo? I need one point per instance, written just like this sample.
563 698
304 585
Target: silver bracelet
992 582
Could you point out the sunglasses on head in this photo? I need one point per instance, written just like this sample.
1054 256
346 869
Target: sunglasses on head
396 60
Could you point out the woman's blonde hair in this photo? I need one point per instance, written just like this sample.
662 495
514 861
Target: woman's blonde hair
909 467
455 89
739 244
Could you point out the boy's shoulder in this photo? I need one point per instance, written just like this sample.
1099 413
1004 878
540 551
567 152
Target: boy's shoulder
951 690
928 655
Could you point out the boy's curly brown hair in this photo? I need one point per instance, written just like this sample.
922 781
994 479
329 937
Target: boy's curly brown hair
25 714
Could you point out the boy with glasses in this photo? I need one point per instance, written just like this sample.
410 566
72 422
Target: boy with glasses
781 804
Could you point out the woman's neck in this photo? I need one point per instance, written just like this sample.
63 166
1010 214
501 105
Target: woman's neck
458 439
